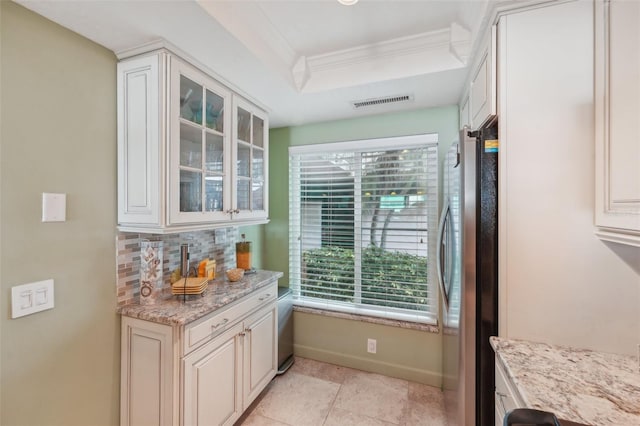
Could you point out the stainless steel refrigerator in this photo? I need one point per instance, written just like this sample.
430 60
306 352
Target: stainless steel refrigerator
468 275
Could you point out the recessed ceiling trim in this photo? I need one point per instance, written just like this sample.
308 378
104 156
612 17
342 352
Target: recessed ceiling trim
395 48
424 53
249 24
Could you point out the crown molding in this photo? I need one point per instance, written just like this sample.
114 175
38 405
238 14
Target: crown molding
408 56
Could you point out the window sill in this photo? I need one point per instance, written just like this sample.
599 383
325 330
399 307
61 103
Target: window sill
371 319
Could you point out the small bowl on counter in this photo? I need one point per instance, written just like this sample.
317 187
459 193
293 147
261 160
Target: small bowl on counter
235 274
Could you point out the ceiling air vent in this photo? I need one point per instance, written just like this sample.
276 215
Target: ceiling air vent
381 101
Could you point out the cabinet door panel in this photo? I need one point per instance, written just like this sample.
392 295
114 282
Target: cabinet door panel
211 381
138 141
146 374
199 154
260 352
250 161
483 90
464 112
617 89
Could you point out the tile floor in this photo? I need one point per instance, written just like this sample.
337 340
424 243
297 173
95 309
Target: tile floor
313 393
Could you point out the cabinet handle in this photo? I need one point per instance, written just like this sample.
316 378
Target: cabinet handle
247 330
223 322
266 296
242 334
502 396
236 211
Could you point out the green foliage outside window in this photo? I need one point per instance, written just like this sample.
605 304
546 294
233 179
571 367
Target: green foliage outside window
389 278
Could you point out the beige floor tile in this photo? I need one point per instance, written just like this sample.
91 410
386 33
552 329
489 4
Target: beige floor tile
258 420
425 407
339 417
321 370
373 395
298 400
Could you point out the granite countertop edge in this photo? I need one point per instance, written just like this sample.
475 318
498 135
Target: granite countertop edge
495 343
578 385
219 294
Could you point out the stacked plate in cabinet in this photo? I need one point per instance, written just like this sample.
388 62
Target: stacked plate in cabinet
191 286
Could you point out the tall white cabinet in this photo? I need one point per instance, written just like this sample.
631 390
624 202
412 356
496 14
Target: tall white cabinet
191 153
550 261
617 99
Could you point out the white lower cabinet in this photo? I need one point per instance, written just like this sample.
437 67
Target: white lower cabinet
212 375
506 397
260 352
180 375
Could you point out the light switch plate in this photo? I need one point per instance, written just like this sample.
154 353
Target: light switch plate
31 298
54 207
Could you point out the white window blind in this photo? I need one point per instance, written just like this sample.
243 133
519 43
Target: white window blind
363 224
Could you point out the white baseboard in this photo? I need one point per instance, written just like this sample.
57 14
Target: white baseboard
426 377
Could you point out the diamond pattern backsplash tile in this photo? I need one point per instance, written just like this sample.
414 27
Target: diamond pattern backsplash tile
216 244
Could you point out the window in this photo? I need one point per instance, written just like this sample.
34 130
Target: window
363 224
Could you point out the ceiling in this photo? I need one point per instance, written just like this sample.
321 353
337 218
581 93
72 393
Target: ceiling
303 60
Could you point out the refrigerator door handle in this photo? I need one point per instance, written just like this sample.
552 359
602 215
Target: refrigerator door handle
441 255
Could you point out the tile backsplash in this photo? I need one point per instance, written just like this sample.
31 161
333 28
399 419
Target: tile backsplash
216 244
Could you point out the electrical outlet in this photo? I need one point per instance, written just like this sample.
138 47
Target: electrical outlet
371 346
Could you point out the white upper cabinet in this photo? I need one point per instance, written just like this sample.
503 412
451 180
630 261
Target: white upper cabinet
184 161
200 141
617 115
139 153
250 157
483 102
464 112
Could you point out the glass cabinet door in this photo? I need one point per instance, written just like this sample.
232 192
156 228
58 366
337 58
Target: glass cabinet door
250 155
199 148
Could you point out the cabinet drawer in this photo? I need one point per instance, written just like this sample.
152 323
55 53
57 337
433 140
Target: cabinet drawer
204 329
506 399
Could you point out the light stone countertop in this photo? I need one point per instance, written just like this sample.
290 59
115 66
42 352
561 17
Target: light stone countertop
578 385
219 293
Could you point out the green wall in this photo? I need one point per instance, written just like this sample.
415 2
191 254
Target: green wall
58 134
410 354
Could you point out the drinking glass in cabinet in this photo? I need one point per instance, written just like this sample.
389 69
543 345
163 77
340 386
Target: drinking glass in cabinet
190 191
258 131
257 195
214 154
257 165
214 112
243 188
190 100
244 159
214 192
190 146
244 125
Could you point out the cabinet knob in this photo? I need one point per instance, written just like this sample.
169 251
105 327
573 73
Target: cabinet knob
247 330
242 334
